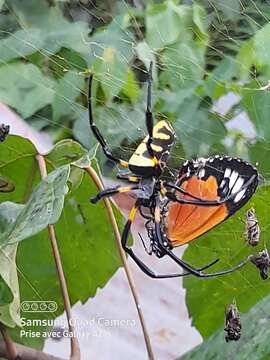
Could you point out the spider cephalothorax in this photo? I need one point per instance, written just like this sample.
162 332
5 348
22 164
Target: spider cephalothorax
206 192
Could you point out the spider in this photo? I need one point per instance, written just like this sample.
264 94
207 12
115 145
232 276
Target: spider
206 192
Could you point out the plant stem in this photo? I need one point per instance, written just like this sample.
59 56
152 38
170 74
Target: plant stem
75 349
92 173
26 353
11 351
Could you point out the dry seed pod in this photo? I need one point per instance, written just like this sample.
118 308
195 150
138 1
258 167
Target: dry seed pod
252 232
4 130
262 262
232 323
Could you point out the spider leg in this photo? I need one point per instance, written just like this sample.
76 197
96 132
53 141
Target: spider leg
112 191
129 177
148 114
96 131
200 274
130 252
202 202
150 251
190 269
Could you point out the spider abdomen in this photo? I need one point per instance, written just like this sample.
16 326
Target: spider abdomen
145 164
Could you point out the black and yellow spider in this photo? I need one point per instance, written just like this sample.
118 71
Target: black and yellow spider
206 192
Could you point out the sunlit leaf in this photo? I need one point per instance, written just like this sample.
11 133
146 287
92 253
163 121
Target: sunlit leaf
67 90
184 65
227 243
254 341
9 287
56 30
25 88
43 207
165 22
256 103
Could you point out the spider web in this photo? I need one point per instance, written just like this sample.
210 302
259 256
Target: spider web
240 132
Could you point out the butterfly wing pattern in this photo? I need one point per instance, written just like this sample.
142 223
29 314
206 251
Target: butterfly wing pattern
216 178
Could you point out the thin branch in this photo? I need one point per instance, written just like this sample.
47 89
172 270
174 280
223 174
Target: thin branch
92 173
9 344
75 349
26 353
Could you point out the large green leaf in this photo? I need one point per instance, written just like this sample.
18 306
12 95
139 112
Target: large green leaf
256 103
67 90
165 23
43 207
184 65
86 243
190 119
20 44
254 343
259 154
51 30
262 44
25 88
10 307
206 298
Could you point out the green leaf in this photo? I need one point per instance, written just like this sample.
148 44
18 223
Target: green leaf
9 312
230 8
1 3
254 340
57 31
117 123
67 90
86 242
245 58
196 129
259 154
6 295
131 88
184 62
215 84
146 55
226 242
262 44
66 151
24 88
43 207
165 23
112 72
199 18
256 103
20 44
111 51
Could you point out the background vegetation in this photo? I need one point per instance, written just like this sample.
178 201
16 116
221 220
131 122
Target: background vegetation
211 63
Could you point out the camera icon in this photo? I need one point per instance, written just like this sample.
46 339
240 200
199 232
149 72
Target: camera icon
39 306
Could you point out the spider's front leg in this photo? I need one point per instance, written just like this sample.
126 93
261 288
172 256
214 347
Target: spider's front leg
113 191
107 151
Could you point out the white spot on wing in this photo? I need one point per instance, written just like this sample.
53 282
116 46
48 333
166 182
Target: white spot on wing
201 173
223 182
239 196
227 172
233 178
238 185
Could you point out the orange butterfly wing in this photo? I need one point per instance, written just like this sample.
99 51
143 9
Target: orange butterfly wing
220 176
187 222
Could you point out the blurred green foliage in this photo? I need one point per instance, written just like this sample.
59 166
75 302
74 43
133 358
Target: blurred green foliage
201 52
